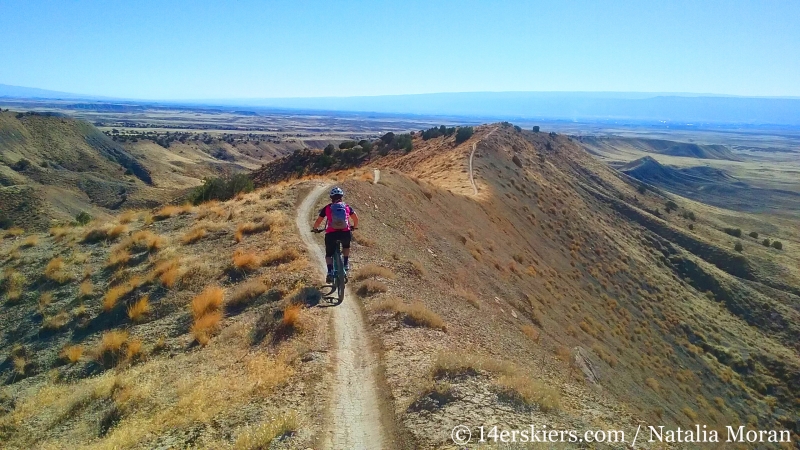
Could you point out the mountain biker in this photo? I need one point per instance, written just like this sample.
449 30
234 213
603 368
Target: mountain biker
337 228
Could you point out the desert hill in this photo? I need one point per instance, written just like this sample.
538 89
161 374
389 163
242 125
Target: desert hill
54 167
563 293
601 145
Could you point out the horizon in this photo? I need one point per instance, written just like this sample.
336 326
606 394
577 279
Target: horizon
363 49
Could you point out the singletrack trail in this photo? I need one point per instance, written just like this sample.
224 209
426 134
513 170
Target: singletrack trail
354 415
471 155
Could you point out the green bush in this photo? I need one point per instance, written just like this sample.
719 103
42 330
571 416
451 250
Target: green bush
403 141
347 144
329 149
754 235
21 165
83 218
735 232
223 188
463 134
670 205
777 245
738 247
765 243
536 128
517 128
5 222
642 189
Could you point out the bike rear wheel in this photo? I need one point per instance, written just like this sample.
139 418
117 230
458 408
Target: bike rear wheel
338 265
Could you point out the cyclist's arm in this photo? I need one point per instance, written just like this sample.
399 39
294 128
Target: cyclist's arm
318 222
355 219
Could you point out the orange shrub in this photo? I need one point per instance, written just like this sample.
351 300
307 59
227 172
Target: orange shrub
138 310
208 301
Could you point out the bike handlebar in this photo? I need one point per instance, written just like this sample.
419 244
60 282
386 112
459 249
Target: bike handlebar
316 230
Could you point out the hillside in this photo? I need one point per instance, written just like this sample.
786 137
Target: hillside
54 167
602 145
564 293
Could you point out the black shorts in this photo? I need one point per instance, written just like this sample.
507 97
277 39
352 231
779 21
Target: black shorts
332 237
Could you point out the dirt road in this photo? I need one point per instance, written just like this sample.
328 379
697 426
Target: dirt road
471 155
354 416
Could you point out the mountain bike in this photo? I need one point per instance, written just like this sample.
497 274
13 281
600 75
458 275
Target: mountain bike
339 274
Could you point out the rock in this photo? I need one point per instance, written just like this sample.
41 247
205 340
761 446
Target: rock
584 362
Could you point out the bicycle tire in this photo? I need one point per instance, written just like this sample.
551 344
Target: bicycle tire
338 265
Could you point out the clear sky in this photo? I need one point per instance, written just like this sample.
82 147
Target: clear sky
255 49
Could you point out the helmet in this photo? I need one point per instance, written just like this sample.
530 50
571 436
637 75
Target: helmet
337 191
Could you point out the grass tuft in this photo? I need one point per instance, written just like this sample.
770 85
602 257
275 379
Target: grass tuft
373 271
54 271
194 235
262 436
371 287
208 301
280 256
246 261
416 314
140 309
247 292
72 353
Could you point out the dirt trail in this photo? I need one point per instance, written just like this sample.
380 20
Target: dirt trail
471 155
354 415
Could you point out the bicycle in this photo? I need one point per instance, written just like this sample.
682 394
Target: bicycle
339 274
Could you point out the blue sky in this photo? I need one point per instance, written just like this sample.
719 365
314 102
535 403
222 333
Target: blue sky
253 49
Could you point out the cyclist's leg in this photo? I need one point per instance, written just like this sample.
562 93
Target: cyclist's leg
346 237
330 248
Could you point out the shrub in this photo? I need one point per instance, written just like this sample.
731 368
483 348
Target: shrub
536 128
222 189
246 261
167 272
777 245
347 145
86 289
83 218
416 314
72 353
56 322
670 205
523 389
329 149
738 247
735 232
204 326
5 222
280 256
261 436
21 165
765 243
463 134
753 235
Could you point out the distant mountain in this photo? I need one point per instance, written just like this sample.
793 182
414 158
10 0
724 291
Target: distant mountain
26 92
676 109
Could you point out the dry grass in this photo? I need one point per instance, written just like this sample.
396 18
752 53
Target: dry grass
104 233
206 309
361 239
209 300
85 289
469 296
14 232
416 314
147 240
417 269
261 436
246 261
531 392
194 235
532 333
652 383
54 271
118 257
134 349
30 241
56 322
373 271
205 326
112 342
454 364
168 272
127 217
114 294
371 287
13 284
45 299
139 309
280 256
172 210
72 353
247 292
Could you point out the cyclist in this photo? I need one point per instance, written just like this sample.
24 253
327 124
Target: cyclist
337 228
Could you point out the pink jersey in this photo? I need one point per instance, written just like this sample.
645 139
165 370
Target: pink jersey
326 213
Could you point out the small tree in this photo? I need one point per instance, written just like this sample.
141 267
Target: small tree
777 245
754 235
347 144
21 165
83 218
463 134
329 149
765 243
738 247
536 128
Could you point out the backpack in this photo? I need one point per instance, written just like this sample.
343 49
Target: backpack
340 216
